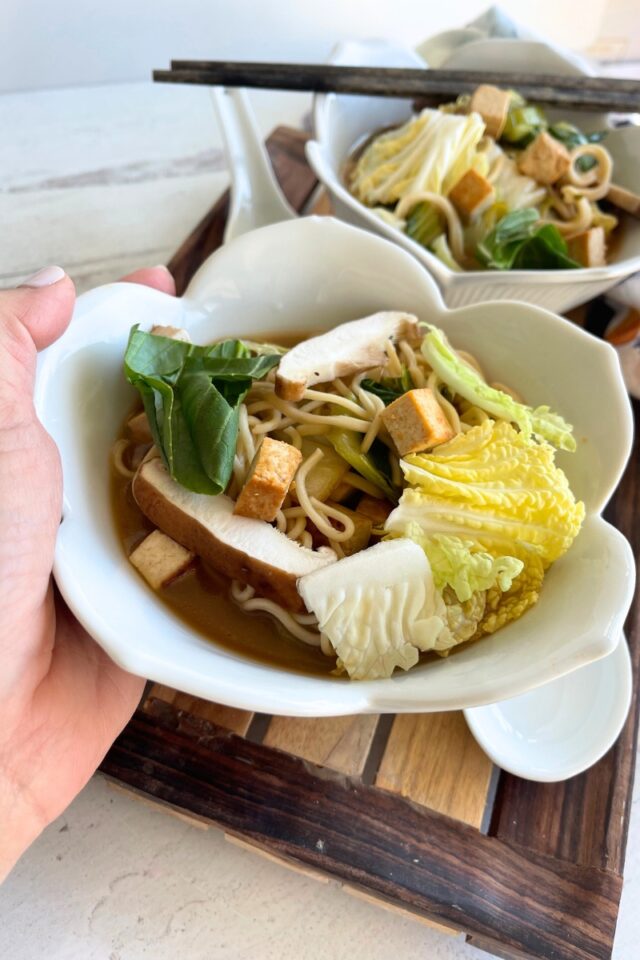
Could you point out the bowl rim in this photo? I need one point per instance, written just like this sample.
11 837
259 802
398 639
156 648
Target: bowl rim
317 156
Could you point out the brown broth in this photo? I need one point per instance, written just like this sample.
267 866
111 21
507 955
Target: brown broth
200 597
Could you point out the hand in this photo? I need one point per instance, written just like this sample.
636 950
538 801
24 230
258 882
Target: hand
62 700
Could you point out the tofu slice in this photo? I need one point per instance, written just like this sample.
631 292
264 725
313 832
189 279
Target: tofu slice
472 194
545 159
493 106
589 248
624 199
416 422
241 548
160 559
269 478
138 428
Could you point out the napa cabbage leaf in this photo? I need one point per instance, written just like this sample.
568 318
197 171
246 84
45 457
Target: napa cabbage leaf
467 382
494 486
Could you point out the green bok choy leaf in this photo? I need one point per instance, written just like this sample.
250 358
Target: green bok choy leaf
192 397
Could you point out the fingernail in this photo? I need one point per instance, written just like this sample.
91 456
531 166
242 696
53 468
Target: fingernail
44 277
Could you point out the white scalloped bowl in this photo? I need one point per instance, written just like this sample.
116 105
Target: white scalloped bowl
309 274
343 121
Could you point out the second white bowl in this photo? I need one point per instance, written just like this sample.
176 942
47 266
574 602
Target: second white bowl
342 121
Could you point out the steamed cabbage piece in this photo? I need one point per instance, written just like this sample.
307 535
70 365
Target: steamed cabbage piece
493 485
490 492
428 153
463 565
380 609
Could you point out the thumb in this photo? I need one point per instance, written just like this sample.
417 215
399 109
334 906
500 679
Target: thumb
31 316
41 304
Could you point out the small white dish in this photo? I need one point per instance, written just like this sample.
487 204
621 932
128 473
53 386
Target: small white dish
341 122
301 276
563 728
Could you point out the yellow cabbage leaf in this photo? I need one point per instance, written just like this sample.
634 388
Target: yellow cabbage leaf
494 485
428 153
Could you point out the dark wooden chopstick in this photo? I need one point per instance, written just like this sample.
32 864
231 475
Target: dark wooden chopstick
588 93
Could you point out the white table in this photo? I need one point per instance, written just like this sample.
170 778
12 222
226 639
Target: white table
103 180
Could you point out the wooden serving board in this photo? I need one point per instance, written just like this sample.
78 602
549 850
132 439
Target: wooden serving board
405 810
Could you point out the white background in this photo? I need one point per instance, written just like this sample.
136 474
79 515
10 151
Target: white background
44 43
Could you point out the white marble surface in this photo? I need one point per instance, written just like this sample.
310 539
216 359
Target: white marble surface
103 180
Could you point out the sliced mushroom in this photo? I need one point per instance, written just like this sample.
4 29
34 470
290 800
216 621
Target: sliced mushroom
354 346
245 549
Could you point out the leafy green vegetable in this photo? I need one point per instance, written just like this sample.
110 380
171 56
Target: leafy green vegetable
463 565
524 122
373 466
468 383
545 250
572 137
191 396
520 241
424 223
389 388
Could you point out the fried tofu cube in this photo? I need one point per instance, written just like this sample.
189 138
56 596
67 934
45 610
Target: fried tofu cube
138 428
269 478
589 248
545 159
160 559
416 422
376 510
472 194
493 106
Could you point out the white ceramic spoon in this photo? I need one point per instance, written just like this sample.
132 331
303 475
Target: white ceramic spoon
256 198
562 728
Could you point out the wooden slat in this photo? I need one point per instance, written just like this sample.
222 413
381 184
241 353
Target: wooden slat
433 759
360 894
201 823
262 852
534 906
228 717
585 820
339 743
